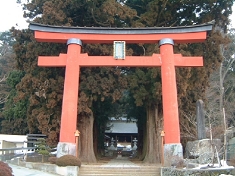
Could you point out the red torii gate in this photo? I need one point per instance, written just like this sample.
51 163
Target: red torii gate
74 59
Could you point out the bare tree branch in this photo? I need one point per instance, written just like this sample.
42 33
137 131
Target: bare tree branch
3 79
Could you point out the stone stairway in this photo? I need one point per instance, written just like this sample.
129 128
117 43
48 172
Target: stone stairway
119 171
120 167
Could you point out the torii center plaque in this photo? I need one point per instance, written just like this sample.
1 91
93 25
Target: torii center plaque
74 59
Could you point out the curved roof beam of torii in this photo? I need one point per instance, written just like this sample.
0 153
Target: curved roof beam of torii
61 34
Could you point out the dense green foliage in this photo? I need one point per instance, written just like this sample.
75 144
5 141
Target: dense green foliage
12 113
7 63
42 147
40 89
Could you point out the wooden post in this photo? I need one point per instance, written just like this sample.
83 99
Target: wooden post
77 133
162 140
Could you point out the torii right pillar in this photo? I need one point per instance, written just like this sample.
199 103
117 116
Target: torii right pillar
173 151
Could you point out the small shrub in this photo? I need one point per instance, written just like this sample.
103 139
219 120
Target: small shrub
42 147
5 170
68 160
52 160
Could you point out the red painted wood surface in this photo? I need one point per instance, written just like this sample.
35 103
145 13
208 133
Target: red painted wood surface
109 61
169 95
68 124
191 37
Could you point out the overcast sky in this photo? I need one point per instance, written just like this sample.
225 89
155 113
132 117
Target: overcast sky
11 15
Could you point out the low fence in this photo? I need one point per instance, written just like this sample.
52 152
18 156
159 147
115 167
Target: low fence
8 154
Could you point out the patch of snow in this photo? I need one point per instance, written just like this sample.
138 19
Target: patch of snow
120 145
223 165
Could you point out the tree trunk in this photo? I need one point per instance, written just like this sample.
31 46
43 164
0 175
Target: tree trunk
152 136
86 149
140 147
95 138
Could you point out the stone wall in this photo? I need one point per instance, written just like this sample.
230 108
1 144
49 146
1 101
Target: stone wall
46 167
196 172
204 151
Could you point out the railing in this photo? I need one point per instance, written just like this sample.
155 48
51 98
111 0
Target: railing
9 153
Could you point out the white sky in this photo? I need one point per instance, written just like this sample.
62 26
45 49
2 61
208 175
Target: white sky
11 15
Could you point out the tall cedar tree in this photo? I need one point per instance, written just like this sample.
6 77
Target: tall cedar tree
6 65
12 114
44 86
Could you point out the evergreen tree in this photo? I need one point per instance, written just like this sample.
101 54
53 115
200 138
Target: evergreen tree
7 64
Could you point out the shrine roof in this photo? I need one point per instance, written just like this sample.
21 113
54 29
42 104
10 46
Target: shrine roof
114 30
122 127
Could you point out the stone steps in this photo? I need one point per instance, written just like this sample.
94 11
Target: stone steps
90 170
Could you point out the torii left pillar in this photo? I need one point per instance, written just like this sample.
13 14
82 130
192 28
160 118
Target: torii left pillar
67 143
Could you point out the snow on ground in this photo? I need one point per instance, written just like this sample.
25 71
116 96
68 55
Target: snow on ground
223 165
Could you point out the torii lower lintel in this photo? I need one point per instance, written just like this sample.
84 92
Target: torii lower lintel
167 60
108 61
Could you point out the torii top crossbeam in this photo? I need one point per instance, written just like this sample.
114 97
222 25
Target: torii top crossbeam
186 34
74 59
